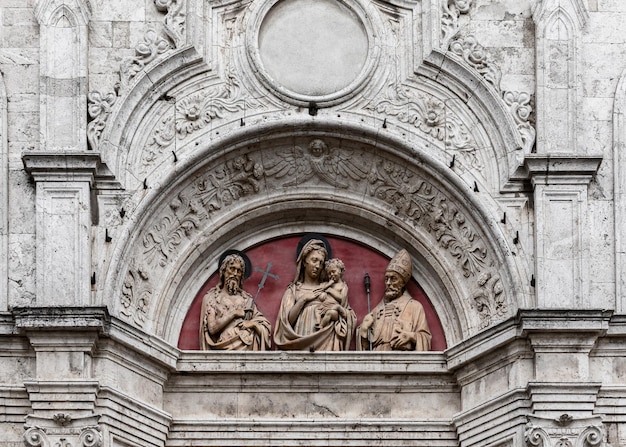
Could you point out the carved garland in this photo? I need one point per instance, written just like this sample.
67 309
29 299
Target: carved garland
410 197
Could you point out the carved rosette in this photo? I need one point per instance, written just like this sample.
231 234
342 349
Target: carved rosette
430 116
192 113
475 55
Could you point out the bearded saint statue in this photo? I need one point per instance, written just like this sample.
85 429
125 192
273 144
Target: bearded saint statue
229 319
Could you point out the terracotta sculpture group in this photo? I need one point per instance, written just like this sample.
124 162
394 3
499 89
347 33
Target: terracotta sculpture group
314 312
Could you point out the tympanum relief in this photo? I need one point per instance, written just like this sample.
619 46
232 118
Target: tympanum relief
315 312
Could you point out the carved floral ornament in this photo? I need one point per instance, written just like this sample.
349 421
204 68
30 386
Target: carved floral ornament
401 189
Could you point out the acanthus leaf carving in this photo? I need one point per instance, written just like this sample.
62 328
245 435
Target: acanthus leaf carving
99 108
235 179
419 201
476 56
193 113
520 105
136 296
329 164
169 232
489 299
429 115
146 51
175 19
162 137
198 110
453 233
451 12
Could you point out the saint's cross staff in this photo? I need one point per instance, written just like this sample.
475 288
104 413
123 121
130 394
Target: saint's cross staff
266 273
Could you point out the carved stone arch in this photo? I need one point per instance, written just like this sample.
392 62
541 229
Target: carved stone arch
619 163
135 103
398 195
509 139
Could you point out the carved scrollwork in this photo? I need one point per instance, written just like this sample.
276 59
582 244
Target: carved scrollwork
198 110
136 296
161 138
429 115
145 52
90 437
420 202
99 108
475 55
35 437
489 299
575 433
451 11
169 232
193 113
592 436
175 19
221 187
520 104
237 178
536 436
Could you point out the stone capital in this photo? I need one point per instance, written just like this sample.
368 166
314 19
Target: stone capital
62 166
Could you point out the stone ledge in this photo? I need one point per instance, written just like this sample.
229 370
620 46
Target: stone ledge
313 432
317 362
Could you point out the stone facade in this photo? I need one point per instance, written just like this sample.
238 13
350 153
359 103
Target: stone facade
141 139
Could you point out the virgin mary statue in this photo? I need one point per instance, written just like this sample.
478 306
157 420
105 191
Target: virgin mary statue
298 323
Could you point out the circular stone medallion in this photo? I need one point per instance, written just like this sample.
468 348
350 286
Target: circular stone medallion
312 48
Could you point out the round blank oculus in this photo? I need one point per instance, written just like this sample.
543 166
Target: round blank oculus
312 47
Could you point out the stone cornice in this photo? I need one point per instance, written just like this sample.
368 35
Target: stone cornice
62 166
558 169
61 318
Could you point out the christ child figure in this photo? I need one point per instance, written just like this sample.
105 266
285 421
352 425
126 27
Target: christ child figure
334 296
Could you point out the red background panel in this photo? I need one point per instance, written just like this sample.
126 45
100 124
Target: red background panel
281 253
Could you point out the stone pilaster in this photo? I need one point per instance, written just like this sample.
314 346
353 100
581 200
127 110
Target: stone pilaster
4 199
64 393
561 220
64 213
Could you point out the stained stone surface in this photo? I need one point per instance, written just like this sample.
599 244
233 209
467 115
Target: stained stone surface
138 141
